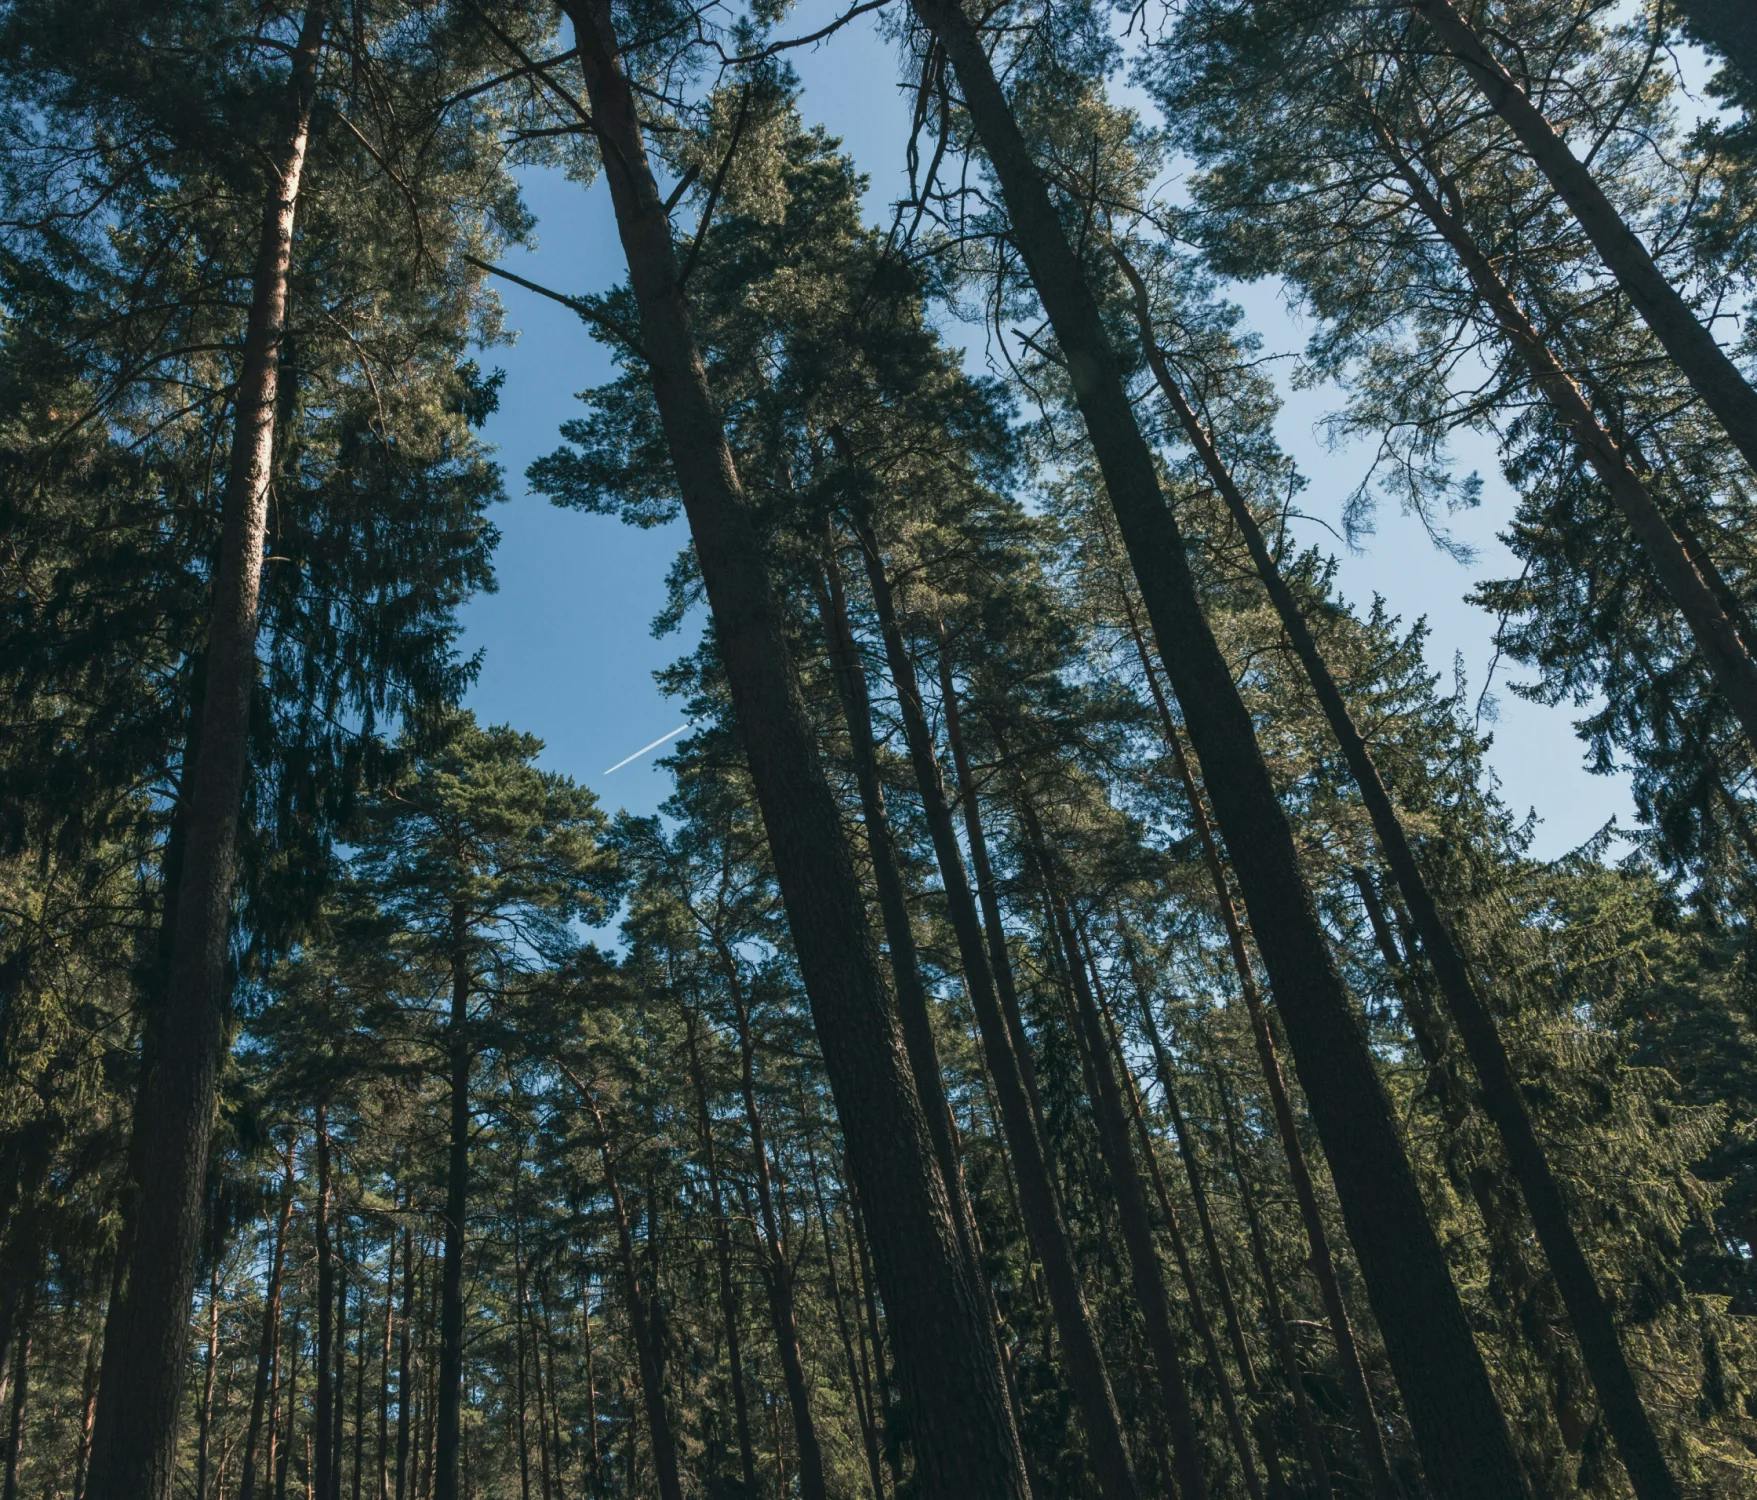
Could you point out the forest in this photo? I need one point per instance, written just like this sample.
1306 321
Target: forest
1084 1016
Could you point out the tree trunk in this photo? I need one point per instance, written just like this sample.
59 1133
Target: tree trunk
460 1055
643 1316
405 1371
966 1443
773 1257
210 1368
722 1259
88 1412
1716 379
20 1404
269 1346
1588 1311
134 1445
323 1430
1310 1438
1323 1264
390 1284
1086 1372
1452 1407
1152 1296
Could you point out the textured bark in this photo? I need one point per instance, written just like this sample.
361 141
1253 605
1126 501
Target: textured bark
1716 379
405 1369
134 1444
1588 1311
960 1417
1086 1373
20 1403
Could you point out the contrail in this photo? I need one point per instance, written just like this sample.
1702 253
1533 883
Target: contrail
645 748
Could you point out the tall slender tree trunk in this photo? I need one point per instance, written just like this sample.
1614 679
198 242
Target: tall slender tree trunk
1589 1312
965 1440
1086 1372
209 1370
269 1345
20 1403
1458 1423
722 1257
776 1262
405 1369
863 1397
1317 1462
1716 379
1323 1264
643 1317
322 1414
460 1055
390 1286
134 1445
1147 1277
88 1411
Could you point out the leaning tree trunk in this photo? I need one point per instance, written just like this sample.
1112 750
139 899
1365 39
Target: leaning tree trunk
134 1444
1458 1423
961 1419
1038 1200
1588 1311
1695 351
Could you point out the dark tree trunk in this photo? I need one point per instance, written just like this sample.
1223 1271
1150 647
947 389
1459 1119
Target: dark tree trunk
645 1319
1310 1438
1086 1372
1152 1296
722 1259
1452 1407
269 1346
857 1383
1503 1102
773 1256
390 1285
20 1404
88 1411
405 1370
460 1055
1695 351
323 1429
210 1368
961 1419
134 1445
1323 1264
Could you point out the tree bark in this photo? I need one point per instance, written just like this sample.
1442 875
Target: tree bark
134 1444
322 1415
961 1418
1716 379
405 1370
1588 1311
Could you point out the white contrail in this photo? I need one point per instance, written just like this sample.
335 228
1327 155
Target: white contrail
645 748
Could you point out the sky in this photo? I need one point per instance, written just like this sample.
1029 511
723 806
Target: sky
567 648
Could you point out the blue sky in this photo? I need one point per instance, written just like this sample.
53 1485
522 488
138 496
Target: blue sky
567 644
